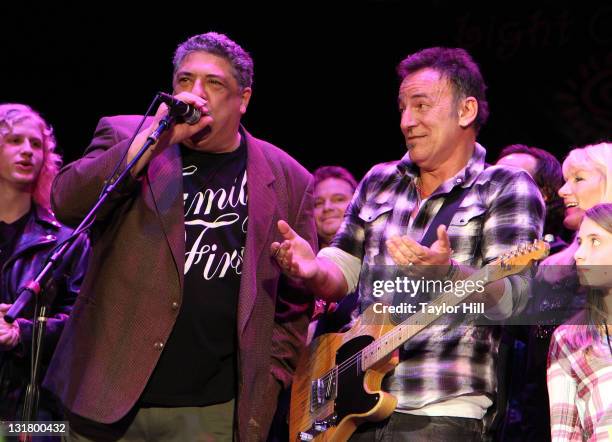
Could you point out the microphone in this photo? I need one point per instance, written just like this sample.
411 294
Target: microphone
183 112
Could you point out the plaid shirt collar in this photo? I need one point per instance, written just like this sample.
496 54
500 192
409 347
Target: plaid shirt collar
465 176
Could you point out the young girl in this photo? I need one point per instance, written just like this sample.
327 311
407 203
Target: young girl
580 356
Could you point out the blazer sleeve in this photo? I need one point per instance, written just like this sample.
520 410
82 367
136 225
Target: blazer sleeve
78 184
294 305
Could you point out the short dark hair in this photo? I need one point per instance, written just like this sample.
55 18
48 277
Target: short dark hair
222 46
548 175
325 172
458 67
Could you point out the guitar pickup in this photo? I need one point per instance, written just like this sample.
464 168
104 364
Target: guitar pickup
323 390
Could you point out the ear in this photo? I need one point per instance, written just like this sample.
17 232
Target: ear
467 111
245 97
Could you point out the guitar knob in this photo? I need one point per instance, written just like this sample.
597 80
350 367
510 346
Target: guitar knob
303 436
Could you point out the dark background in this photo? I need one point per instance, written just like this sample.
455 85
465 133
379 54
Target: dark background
325 85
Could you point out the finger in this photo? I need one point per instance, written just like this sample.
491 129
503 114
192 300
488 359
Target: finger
443 237
191 98
5 307
294 269
399 249
161 110
397 257
413 247
405 251
288 258
285 230
275 249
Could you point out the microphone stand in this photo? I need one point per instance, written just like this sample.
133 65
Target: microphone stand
34 288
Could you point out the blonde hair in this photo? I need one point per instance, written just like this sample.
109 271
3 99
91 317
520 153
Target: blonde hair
592 157
12 114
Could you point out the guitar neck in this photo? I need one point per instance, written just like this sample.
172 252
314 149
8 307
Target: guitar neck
416 323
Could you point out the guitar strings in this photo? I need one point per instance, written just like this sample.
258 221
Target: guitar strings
356 358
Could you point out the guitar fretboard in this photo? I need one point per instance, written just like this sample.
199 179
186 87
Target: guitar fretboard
413 325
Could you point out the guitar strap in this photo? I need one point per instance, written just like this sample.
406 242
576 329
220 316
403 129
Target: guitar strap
445 214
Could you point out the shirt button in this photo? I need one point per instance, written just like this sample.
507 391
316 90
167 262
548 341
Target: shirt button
158 345
50 237
459 180
175 306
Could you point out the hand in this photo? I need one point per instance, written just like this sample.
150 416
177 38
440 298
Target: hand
9 333
407 252
177 133
294 255
180 132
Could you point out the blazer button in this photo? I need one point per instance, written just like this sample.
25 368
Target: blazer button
158 345
175 306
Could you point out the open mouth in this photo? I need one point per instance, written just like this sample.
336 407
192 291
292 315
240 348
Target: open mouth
22 165
571 204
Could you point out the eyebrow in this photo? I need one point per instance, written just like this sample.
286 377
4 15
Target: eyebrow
589 236
191 74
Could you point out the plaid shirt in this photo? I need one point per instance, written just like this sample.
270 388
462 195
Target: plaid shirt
502 209
579 389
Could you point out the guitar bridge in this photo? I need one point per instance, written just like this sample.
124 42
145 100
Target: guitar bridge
324 389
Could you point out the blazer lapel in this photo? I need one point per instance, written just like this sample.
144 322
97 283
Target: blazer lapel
261 209
164 175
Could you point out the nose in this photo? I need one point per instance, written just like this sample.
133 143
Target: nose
199 89
579 255
407 121
26 147
327 205
564 190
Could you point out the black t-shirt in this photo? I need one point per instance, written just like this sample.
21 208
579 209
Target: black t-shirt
198 364
9 234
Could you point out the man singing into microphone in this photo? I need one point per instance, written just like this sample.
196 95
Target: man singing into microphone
185 329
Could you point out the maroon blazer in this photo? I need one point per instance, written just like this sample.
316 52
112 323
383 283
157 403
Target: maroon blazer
131 295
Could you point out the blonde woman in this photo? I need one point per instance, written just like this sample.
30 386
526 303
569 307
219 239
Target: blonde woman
588 181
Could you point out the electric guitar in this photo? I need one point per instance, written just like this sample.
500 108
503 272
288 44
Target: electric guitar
337 384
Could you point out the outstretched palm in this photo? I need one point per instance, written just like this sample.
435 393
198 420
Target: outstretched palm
294 255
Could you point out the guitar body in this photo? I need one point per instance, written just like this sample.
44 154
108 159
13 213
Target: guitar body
329 408
337 384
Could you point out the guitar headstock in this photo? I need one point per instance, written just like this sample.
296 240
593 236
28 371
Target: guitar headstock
516 260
